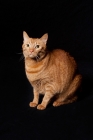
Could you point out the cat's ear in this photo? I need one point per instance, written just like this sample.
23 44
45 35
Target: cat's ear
44 38
25 36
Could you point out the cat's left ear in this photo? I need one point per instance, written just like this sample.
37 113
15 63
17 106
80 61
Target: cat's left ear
25 36
44 38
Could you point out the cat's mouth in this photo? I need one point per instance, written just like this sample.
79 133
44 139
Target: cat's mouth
35 57
31 55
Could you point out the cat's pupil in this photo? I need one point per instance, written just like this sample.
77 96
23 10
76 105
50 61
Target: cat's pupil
27 45
37 46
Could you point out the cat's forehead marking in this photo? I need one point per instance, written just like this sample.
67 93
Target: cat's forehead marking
34 41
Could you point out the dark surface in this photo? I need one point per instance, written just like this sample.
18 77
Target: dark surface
70 27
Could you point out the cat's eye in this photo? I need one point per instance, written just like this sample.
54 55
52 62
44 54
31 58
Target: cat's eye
37 46
27 45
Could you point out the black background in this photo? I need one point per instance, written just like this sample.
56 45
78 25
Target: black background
69 24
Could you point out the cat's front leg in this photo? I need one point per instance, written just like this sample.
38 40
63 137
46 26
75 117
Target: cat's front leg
34 103
48 95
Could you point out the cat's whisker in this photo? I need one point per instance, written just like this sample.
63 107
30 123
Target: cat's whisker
37 57
19 53
21 58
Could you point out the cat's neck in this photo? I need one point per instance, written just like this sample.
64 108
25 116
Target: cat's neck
40 56
32 65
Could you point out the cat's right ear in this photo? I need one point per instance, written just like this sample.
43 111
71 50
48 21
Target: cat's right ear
25 36
44 38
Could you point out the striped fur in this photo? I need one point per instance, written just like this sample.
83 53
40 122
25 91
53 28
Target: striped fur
50 73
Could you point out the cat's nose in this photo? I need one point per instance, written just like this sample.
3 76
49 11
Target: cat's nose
31 50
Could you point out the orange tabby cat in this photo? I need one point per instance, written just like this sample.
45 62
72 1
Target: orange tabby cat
50 73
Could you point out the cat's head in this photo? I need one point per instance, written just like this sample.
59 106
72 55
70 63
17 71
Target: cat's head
34 48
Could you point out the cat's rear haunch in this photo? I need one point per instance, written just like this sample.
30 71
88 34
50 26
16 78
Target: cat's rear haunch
50 73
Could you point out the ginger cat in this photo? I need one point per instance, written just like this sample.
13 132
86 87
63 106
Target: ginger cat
50 73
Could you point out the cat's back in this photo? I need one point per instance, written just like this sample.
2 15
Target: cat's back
59 54
63 56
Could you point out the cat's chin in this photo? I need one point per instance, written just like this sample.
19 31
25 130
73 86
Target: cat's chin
31 56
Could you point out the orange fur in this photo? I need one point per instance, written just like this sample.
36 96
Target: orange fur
50 73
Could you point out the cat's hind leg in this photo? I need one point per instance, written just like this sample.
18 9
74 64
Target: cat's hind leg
58 103
69 96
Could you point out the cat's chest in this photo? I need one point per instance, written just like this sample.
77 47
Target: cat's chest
33 74
36 73
37 83
40 85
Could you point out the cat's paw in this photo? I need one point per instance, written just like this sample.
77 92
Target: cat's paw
32 104
56 103
41 107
